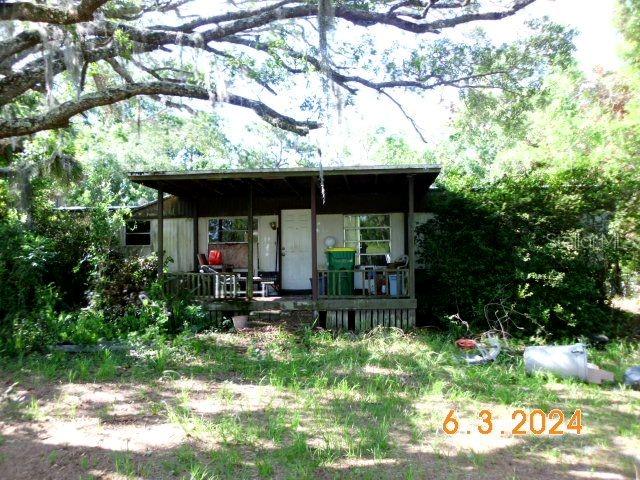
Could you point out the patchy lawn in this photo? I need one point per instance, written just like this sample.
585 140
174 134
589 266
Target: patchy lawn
275 404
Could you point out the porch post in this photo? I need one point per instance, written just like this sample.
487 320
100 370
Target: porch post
250 240
314 241
160 206
196 263
411 239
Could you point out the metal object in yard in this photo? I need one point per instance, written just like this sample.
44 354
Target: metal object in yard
632 377
564 361
487 350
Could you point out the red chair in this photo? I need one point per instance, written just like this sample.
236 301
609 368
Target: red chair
215 257
205 265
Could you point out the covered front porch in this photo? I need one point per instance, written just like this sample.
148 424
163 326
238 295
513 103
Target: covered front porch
273 226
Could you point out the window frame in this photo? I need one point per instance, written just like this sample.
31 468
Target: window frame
357 244
137 234
221 230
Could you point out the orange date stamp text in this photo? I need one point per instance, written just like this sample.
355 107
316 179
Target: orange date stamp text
523 422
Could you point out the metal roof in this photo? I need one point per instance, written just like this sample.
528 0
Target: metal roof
249 173
283 181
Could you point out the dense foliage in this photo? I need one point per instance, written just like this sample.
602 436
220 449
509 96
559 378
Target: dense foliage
538 220
42 269
533 254
64 277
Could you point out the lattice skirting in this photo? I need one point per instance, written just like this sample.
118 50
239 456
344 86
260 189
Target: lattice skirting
363 320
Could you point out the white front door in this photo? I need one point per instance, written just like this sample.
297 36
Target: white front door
296 249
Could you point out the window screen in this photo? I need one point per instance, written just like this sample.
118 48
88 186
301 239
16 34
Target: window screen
229 230
370 235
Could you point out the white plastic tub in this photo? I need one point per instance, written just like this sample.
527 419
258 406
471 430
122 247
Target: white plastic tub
563 360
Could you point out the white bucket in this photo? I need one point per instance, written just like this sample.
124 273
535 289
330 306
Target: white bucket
563 360
240 321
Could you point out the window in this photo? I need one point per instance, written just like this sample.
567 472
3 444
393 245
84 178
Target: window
229 230
137 233
370 235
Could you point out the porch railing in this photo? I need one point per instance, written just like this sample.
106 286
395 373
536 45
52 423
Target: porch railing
377 282
373 282
205 285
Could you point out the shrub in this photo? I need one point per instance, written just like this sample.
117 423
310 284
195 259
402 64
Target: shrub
84 327
119 283
532 250
26 300
64 277
34 327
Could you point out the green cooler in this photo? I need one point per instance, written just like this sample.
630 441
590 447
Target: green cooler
339 258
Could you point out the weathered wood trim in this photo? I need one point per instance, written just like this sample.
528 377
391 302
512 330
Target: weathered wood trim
368 319
314 240
337 202
196 264
411 238
279 248
160 205
250 240
331 320
282 173
405 226
206 287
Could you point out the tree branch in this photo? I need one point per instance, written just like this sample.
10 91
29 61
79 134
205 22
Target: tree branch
22 41
32 74
59 116
226 17
149 40
33 12
428 83
23 68
120 70
359 17
406 115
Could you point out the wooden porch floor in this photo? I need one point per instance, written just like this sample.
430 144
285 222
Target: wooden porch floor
357 314
306 303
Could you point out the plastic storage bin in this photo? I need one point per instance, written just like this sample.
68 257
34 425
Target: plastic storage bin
393 284
341 258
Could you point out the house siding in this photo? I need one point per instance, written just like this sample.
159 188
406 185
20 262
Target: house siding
178 239
178 242
329 225
267 244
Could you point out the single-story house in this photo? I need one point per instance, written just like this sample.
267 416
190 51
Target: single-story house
274 226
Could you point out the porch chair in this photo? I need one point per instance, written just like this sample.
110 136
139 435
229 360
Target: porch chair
213 264
203 265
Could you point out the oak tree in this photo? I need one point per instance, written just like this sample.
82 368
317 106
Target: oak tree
63 58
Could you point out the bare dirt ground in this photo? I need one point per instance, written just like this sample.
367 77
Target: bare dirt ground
214 422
